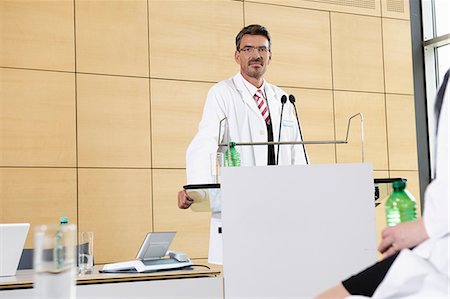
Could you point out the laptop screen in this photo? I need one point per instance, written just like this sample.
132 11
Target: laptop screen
155 245
12 239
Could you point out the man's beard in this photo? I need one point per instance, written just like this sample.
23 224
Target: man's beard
256 73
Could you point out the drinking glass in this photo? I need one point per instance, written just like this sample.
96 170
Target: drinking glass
86 252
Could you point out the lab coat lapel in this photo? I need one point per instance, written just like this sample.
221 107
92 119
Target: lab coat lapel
245 94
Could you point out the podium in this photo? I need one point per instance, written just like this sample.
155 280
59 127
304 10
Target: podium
292 231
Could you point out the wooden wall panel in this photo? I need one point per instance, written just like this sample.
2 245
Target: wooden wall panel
401 132
364 7
37 118
193 40
373 108
37 196
112 37
397 56
175 119
381 174
37 34
300 43
316 113
357 53
116 204
113 121
192 228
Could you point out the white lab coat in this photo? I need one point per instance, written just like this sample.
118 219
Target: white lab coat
424 272
232 99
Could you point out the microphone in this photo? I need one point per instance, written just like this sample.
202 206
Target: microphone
292 100
283 101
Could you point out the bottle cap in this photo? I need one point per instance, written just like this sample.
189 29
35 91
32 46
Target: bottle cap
63 220
398 185
232 144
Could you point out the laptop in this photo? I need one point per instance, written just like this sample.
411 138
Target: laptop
152 256
12 239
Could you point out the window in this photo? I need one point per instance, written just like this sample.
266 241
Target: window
436 43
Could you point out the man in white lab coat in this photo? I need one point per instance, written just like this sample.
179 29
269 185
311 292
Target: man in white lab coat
424 271
252 107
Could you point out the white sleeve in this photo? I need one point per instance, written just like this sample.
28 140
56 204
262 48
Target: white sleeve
436 212
204 144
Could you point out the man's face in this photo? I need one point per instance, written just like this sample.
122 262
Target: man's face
253 62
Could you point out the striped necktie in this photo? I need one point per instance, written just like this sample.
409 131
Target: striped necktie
262 106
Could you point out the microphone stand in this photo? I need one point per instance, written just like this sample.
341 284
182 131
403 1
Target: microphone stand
283 101
292 100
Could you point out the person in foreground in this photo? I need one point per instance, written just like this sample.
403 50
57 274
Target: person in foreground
416 263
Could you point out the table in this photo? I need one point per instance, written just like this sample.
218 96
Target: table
198 282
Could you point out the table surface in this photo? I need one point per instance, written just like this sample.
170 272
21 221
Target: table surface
24 278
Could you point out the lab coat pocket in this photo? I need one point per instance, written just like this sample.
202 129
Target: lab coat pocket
287 123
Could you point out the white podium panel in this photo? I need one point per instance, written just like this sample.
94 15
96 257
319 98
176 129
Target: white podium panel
291 231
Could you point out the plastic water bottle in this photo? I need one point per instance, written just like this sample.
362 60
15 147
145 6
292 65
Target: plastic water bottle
232 156
59 245
400 206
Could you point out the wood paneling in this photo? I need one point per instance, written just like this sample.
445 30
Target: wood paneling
316 113
381 174
37 34
192 228
397 56
113 121
300 44
338 57
112 37
372 107
365 7
116 204
37 118
357 53
193 40
175 118
401 132
37 196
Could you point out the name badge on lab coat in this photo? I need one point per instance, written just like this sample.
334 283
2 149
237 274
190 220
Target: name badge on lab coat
288 123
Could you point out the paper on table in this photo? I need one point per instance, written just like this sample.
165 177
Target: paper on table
205 200
201 200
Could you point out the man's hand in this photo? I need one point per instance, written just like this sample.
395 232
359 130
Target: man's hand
184 202
403 235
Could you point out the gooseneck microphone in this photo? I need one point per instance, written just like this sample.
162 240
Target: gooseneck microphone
292 100
283 101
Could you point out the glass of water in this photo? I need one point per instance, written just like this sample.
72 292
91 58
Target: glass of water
54 261
86 252
216 162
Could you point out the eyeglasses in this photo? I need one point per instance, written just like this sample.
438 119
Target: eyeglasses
250 49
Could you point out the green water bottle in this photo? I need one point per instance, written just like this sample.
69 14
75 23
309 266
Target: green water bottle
400 206
59 251
232 156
